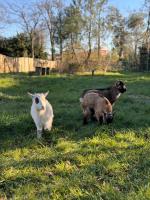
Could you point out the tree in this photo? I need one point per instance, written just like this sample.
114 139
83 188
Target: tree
147 4
40 45
73 24
117 25
100 24
89 17
136 27
20 46
29 18
145 47
15 46
48 12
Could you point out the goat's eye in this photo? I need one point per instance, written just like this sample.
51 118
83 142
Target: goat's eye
36 100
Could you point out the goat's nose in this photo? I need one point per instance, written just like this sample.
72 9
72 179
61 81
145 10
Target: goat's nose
42 107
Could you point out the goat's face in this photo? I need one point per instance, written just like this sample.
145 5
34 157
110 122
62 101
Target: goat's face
121 86
39 100
109 117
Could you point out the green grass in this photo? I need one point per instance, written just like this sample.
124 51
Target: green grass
74 161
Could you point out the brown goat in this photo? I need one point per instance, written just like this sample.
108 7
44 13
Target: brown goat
100 105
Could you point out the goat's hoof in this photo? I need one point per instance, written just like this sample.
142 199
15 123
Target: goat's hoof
47 129
39 136
93 118
85 123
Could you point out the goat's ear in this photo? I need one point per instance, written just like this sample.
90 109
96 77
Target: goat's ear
117 83
45 94
30 95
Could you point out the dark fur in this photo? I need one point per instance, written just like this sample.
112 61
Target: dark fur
109 118
111 93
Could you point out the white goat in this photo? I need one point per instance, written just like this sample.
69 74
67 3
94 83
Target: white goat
41 112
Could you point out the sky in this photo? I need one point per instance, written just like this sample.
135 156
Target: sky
125 6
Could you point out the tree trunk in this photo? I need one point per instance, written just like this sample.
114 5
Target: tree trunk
52 47
121 53
135 54
73 50
148 41
60 35
32 45
98 39
93 70
60 46
32 48
90 49
98 48
53 52
61 50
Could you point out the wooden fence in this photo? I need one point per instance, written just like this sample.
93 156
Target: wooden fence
24 64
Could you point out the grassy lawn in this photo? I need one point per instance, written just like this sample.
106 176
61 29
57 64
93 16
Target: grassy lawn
74 161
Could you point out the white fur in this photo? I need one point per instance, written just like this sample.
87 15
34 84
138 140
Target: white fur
81 100
42 114
118 95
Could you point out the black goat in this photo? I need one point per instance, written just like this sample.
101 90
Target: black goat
111 93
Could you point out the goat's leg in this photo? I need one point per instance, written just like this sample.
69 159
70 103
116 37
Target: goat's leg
93 118
39 130
86 116
39 134
38 124
48 125
104 118
99 117
85 120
